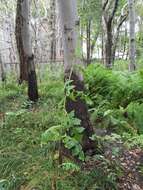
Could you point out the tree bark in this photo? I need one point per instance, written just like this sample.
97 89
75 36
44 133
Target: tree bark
52 28
68 12
108 24
125 42
32 79
3 75
122 19
132 48
108 46
24 45
19 32
88 41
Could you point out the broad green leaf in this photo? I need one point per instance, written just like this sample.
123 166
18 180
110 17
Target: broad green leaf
52 134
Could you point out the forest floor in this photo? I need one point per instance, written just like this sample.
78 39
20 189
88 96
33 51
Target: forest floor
129 160
23 163
27 165
132 162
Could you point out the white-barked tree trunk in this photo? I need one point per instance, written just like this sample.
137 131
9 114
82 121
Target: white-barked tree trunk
69 21
132 46
24 45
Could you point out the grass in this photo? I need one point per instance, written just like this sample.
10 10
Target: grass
23 162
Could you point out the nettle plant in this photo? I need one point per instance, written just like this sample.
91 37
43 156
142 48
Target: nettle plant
68 132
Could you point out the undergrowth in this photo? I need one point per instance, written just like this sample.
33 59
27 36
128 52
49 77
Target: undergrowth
115 101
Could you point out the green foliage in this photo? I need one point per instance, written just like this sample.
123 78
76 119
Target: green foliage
115 99
68 132
70 167
132 141
115 103
87 12
120 64
23 162
9 92
135 115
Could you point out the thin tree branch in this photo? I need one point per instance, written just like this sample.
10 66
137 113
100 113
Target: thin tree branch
114 11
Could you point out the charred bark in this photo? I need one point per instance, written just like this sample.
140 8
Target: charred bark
24 45
81 112
3 74
32 80
69 18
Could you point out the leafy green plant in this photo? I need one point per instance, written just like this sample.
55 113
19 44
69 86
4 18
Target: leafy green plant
135 115
70 167
68 132
131 141
112 94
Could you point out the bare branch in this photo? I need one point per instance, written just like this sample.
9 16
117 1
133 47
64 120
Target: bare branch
114 11
104 5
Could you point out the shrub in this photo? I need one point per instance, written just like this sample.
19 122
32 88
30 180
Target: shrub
113 90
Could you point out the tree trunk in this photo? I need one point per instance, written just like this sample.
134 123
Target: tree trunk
19 32
52 29
68 13
24 46
132 48
3 75
107 19
103 44
32 79
88 41
122 19
82 41
108 47
93 45
125 43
